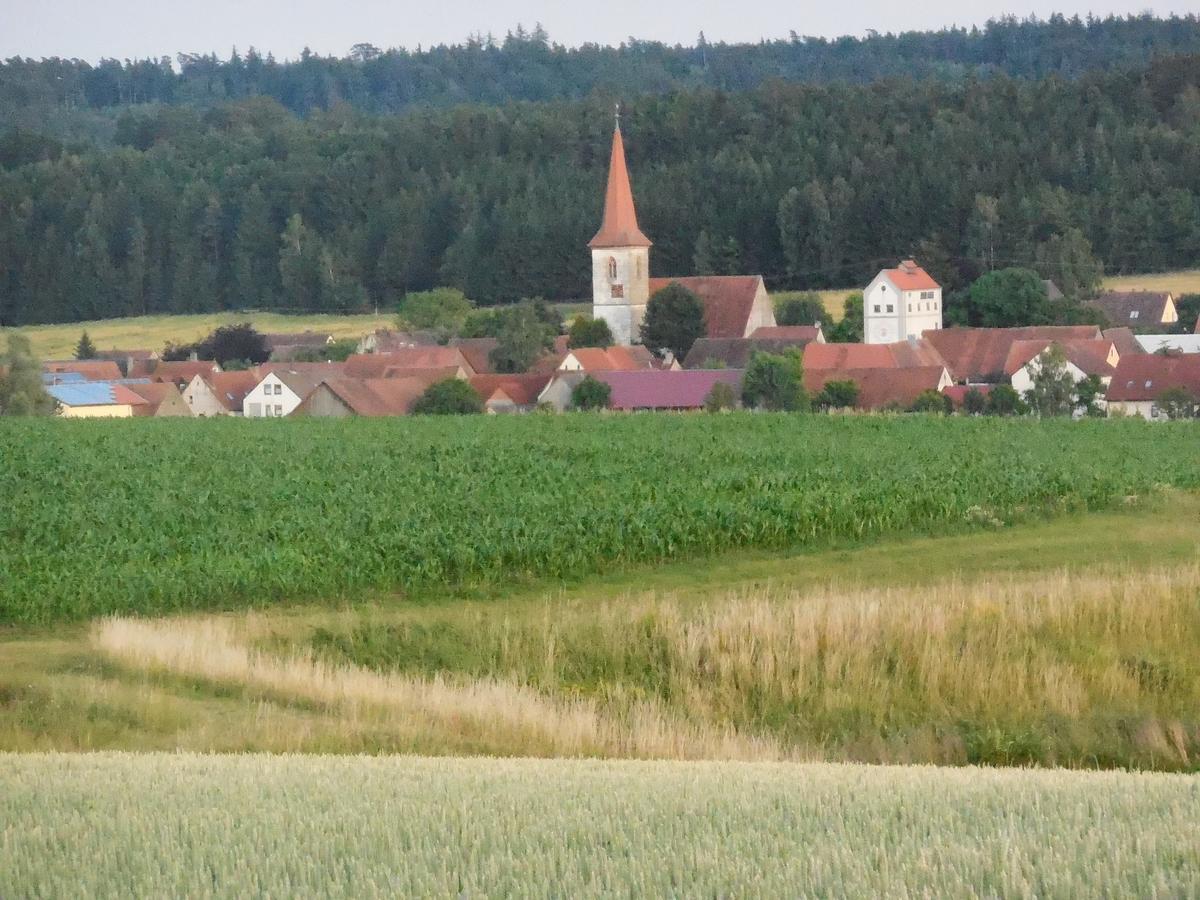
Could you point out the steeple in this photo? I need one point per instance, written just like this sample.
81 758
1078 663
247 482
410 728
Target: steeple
620 227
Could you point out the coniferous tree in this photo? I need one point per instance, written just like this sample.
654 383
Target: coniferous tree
85 349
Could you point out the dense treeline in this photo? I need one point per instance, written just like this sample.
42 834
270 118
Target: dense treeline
527 66
246 205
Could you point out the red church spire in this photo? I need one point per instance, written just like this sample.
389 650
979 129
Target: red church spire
620 227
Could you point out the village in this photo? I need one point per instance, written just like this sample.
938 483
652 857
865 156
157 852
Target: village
906 361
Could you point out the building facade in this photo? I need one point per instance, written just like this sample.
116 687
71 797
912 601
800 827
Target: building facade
901 303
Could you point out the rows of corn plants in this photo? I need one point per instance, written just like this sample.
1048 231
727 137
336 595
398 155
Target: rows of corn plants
157 516
211 826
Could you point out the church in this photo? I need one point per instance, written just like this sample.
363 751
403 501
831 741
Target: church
734 305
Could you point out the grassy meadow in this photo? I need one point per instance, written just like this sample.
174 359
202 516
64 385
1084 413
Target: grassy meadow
1065 642
172 825
1184 281
155 332
167 516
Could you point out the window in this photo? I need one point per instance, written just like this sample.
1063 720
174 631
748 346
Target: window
891 308
639 267
877 307
618 290
1133 314
612 268
935 306
926 295
255 409
910 307
279 410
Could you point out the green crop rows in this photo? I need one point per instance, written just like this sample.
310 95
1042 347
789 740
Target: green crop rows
155 516
271 826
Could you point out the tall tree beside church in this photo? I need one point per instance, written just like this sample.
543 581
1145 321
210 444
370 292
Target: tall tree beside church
674 320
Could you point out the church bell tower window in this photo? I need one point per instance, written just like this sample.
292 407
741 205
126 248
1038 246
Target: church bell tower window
612 268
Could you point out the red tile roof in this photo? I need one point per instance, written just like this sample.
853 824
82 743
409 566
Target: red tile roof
231 388
373 365
183 371
728 300
154 393
908 276
1123 340
91 369
612 359
979 354
848 356
523 390
370 397
880 388
1145 377
477 352
658 389
619 227
787 333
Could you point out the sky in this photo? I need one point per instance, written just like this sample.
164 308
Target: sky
91 29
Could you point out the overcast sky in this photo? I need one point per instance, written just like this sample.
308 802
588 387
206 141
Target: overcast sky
90 29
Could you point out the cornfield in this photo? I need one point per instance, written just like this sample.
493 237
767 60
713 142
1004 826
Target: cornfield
163 516
212 826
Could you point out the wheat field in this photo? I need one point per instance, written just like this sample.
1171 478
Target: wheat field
114 825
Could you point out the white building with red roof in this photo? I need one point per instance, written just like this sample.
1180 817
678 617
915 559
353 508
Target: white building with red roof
901 303
735 306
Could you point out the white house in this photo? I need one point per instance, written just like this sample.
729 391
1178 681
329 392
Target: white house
901 303
279 393
1083 358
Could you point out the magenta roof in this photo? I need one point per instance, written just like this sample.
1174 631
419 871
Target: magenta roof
658 389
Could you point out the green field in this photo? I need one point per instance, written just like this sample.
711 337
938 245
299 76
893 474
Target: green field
155 516
166 825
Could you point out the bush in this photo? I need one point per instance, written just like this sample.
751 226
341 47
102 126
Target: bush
674 320
974 402
451 397
1003 400
774 383
932 401
804 309
838 395
720 398
588 332
441 309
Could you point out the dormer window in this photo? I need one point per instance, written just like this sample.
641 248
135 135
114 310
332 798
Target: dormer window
612 268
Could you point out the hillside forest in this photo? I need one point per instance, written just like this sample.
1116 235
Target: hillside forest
256 192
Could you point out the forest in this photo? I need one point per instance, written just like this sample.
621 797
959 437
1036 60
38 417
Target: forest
247 204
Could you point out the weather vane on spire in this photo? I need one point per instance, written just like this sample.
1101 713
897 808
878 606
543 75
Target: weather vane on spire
617 114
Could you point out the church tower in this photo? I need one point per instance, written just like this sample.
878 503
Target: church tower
620 256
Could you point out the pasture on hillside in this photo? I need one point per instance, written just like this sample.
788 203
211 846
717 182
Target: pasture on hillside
211 826
158 516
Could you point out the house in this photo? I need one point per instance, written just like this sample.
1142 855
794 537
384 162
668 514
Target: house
1145 310
374 365
661 390
1141 379
180 373
222 394
1083 358
384 340
734 305
1123 339
510 393
611 359
1180 343
883 388
281 390
129 360
978 355
89 369
342 397
909 354
162 399
900 303
735 353
96 399
477 352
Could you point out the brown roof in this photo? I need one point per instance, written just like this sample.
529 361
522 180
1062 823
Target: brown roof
231 388
958 392
849 356
658 389
373 365
330 369
1123 340
90 369
430 375
296 339
183 371
619 227
728 300
477 352
1133 308
374 397
1090 357
1145 376
154 393
908 276
803 333
880 388
613 359
979 354
522 390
